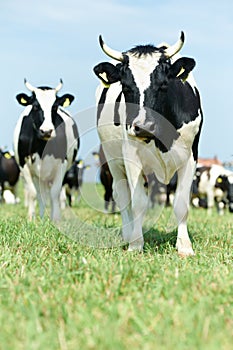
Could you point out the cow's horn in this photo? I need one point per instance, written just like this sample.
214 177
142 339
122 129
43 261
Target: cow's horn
29 86
116 55
59 86
172 50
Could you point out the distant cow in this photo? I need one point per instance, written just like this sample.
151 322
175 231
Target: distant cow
106 179
161 193
208 189
225 183
73 179
9 173
46 143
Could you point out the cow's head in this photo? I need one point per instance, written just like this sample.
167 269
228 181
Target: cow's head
144 73
225 183
44 104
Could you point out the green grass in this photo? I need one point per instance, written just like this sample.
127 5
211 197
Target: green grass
62 293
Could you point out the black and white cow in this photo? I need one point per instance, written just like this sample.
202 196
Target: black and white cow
73 179
209 190
106 179
225 183
9 174
46 143
149 119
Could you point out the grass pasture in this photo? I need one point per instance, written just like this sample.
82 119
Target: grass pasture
60 292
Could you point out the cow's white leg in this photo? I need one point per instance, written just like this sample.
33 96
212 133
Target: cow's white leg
210 198
41 195
121 195
55 191
139 207
181 207
31 192
139 198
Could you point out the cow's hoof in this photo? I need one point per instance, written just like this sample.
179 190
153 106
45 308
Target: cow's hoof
185 252
133 247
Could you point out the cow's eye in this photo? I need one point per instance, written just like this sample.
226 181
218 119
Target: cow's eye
35 107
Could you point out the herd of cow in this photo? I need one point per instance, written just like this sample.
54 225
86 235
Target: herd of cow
149 120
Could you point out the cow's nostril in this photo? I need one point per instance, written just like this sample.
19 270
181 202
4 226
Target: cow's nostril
136 128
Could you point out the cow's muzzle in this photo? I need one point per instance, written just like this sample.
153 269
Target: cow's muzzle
144 131
45 135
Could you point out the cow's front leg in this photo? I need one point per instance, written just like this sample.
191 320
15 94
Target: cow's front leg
31 192
55 193
121 195
139 198
181 207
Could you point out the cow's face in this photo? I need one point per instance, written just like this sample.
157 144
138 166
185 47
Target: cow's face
144 73
44 104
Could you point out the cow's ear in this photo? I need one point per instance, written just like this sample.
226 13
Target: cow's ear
107 73
65 100
23 99
182 67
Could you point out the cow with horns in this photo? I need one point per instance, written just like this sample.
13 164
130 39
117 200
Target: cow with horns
149 119
45 143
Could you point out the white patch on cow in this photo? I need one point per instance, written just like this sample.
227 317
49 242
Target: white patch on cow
141 69
9 197
46 99
230 178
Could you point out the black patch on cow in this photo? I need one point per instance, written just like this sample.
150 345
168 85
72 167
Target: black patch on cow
131 94
101 103
197 137
116 110
44 88
112 72
175 103
140 50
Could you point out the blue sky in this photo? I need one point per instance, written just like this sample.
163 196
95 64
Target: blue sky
51 39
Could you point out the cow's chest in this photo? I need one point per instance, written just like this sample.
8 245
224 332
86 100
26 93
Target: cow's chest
45 169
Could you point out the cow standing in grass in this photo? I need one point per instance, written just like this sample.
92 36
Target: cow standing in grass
9 174
73 180
149 119
214 185
45 144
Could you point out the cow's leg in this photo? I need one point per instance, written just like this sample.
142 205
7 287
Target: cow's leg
181 207
210 198
121 195
139 205
31 192
42 195
55 191
139 198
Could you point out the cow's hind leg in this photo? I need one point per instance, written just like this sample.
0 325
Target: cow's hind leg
181 207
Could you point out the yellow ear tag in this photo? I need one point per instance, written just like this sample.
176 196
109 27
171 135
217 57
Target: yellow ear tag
219 180
66 102
23 101
180 72
104 79
7 155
